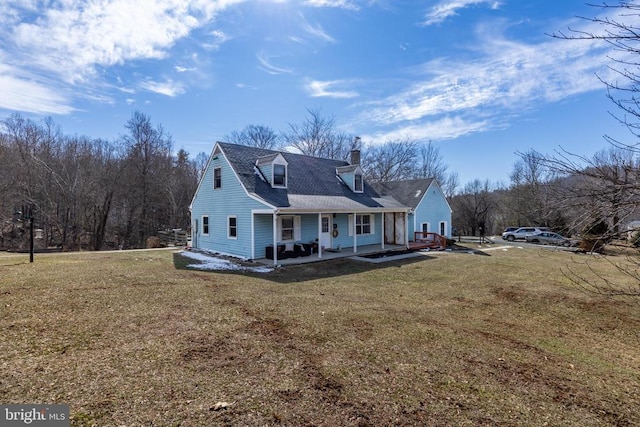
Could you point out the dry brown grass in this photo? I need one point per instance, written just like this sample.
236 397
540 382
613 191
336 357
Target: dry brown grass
450 339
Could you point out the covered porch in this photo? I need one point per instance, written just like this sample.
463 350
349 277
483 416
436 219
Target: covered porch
295 236
331 255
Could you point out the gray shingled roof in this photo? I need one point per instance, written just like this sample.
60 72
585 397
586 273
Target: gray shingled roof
311 183
408 192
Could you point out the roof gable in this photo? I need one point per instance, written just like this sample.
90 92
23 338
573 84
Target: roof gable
409 192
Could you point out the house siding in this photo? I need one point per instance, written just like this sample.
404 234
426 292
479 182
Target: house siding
267 171
218 204
263 224
433 208
348 178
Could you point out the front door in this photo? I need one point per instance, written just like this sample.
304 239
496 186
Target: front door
325 235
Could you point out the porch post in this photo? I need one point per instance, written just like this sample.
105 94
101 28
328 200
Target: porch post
320 235
253 237
406 229
355 234
384 221
275 238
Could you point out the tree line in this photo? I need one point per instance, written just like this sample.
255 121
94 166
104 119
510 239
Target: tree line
90 193
94 194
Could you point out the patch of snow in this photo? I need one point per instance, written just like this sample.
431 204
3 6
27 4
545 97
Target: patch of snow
211 262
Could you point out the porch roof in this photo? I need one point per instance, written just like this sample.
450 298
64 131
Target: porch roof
309 203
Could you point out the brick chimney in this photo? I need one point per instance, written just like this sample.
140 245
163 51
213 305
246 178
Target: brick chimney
355 153
355 157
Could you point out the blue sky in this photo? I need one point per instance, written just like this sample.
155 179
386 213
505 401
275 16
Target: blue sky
479 78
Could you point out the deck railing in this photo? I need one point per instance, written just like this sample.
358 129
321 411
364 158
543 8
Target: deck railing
432 240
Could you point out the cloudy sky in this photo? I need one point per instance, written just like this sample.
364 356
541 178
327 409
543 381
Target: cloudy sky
482 79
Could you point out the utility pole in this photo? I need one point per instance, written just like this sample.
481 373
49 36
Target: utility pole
31 233
27 214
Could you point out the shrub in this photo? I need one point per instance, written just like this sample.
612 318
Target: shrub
594 236
153 242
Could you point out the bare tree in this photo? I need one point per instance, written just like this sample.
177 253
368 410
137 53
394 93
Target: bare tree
432 163
394 160
200 163
608 185
258 136
148 164
603 187
84 190
474 207
531 199
318 136
451 184
621 31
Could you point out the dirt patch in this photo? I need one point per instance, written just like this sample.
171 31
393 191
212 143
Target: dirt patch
387 254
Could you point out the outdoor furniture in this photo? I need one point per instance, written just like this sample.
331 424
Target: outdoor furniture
289 250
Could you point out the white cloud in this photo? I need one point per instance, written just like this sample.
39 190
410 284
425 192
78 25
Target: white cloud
448 8
23 91
316 31
343 4
72 42
270 68
438 129
168 88
245 86
504 79
218 38
318 88
181 69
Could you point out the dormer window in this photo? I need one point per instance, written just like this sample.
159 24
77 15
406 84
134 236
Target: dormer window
357 183
273 168
351 176
279 175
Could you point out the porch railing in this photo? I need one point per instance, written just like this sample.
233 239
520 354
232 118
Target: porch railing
429 239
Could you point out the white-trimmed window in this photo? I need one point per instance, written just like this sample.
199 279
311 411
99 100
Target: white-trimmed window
279 175
425 227
358 185
364 224
289 228
232 227
286 233
443 228
217 178
205 225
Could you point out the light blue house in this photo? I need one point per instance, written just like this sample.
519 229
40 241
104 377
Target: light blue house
255 203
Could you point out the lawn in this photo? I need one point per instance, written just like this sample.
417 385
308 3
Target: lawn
134 338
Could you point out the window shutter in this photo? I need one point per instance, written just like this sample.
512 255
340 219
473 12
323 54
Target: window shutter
351 219
297 226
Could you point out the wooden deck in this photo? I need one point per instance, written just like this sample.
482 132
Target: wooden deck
427 240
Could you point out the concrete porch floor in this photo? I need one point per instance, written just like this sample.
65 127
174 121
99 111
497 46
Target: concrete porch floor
344 253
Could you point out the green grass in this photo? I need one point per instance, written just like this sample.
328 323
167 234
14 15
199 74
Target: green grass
450 339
